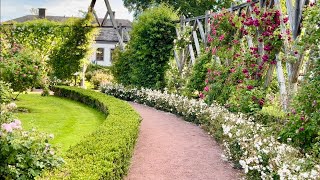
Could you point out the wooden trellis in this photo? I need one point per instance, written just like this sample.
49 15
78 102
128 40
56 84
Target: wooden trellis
121 32
201 26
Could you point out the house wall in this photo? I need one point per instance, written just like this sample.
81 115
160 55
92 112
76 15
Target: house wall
107 52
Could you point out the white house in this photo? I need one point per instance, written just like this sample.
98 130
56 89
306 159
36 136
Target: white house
105 42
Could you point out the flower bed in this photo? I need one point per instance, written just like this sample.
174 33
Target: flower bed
106 153
250 145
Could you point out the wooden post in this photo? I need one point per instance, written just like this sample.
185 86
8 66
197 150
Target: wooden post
192 57
115 24
207 28
202 33
196 42
282 84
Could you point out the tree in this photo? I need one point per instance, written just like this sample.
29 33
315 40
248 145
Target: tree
188 8
145 60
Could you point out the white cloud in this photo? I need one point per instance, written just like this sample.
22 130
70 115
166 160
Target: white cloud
10 9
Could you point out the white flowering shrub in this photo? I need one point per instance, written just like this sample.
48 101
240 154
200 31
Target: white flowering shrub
252 146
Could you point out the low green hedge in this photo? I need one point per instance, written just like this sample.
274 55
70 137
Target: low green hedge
106 153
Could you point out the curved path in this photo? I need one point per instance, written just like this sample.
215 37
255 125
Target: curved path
169 148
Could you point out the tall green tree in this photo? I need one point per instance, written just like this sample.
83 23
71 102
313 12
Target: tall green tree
188 8
145 60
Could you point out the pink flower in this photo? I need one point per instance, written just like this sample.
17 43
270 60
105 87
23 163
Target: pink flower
201 95
209 39
206 81
265 58
206 88
214 50
250 87
232 70
256 23
267 48
261 102
221 37
301 129
245 71
7 127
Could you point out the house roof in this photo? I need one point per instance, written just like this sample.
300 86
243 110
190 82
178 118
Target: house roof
107 33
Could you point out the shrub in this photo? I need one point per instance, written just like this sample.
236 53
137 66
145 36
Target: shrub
106 153
199 73
5 93
24 155
121 67
304 120
146 57
249 144
100 77
23 70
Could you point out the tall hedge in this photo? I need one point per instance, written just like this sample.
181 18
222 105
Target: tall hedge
146 57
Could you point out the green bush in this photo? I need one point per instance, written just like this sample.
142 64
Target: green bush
100 77
145 60
5 93
304 120
199 73
95 67
24 155
106 153
23 70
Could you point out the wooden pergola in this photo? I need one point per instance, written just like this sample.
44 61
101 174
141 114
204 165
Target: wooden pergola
120 31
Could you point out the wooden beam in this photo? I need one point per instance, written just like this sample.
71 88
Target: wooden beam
114 23
203 37
96 16
105 18
191 51
196 42
93 2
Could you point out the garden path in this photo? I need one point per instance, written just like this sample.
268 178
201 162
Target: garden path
169 148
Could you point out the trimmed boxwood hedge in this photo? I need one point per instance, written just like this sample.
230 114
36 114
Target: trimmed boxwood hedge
106 153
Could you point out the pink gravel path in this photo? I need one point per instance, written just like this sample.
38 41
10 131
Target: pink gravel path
169 148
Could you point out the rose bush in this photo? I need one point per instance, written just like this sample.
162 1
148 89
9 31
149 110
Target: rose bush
25 154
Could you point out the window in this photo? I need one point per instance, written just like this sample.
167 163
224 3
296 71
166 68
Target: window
111 53
100 54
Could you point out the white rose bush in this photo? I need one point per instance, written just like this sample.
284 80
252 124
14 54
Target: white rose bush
253 147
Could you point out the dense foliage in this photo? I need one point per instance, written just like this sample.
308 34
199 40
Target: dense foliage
199 73
73 53
25 154
304 119
238 79
5 93
55 43
24 70
145 60
106 153
188 8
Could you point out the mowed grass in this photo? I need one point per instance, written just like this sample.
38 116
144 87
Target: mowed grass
68 120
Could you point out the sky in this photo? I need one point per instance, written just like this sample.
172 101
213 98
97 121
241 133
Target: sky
11 9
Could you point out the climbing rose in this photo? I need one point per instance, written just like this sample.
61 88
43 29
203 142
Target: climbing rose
265 58
221 37
206 88
250 87
245 71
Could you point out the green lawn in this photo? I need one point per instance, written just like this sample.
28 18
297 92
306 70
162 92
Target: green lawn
68 120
